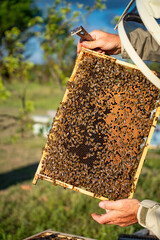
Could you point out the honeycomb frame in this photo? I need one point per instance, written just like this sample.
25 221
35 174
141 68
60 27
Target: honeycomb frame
38 175
60 235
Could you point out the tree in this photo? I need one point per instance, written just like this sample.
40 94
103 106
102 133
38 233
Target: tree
15 13
59 47
59 51
17 70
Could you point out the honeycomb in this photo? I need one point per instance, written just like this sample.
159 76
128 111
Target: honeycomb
99 132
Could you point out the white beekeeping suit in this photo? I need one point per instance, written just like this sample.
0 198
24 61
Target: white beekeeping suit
152 7
149 216
144 44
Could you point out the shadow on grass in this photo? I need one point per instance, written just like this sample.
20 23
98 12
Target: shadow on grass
17 176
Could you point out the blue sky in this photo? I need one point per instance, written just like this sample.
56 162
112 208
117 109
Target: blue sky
97 20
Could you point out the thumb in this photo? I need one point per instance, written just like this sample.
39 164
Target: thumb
91 44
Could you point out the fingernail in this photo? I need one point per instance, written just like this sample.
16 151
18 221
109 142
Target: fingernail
85 44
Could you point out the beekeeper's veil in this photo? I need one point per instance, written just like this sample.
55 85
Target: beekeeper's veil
142 18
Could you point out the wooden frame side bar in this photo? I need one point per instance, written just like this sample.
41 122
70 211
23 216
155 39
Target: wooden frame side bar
144 153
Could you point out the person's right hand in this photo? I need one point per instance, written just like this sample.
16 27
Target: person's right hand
120 212
103 42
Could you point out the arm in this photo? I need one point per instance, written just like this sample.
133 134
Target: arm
144 44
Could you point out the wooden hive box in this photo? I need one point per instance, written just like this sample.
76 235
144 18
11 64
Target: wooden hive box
53 235
102 129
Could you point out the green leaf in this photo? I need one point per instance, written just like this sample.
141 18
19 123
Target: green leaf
4 93
35 20
80 6
29 106
76 14
39 19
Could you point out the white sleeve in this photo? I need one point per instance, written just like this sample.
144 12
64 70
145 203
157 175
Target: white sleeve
149 216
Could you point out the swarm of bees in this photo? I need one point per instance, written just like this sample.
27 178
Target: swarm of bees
99 132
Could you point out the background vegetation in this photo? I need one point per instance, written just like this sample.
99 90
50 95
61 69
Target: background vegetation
27 89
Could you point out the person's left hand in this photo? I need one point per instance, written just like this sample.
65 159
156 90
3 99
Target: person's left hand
121 212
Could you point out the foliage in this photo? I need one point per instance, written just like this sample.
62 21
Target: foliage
59 48
15 13
15 69
49 207
115 20
155 67
4 93
57 43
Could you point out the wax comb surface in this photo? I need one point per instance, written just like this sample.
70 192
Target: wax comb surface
98 137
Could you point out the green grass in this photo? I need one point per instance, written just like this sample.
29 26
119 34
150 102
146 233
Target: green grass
26 212
44 97
26 209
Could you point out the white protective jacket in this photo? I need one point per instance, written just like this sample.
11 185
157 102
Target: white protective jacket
149 216
148 49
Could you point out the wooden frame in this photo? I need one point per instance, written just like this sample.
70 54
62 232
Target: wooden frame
59 234
81 190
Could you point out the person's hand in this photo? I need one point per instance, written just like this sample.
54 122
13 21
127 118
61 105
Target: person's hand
121 212
103 42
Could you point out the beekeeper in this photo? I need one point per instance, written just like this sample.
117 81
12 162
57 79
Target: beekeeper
146 46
